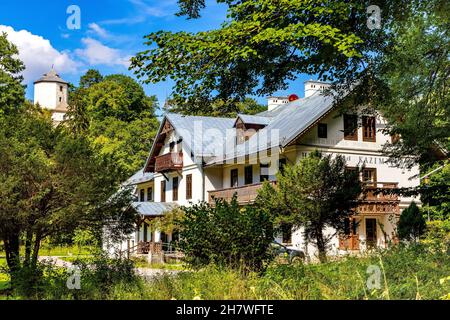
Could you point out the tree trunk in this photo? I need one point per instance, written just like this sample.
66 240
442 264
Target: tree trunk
11 243
36 247
321 246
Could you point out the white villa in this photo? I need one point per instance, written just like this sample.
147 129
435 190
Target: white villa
197 158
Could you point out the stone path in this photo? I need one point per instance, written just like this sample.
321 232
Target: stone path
147 273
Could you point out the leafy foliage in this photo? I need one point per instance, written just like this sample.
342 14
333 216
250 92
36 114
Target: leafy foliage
226 235
261 46
11 90
411 225
316 193
414 74
435 193
116 116
52 182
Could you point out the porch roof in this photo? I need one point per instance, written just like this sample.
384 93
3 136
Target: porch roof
153 208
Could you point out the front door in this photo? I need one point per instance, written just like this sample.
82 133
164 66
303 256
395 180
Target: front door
371 232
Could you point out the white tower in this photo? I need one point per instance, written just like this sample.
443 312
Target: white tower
51 92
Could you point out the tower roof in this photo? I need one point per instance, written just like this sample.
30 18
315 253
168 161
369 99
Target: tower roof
51 76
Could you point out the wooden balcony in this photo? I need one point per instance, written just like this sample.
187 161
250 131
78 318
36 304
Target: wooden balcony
169 161
245 194
374 201
378 201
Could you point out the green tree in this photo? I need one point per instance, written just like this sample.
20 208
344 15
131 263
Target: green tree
52 182
265 43
118 118
316 193
225 234
414 74
434 192
90 78
411 225
12 92
217 108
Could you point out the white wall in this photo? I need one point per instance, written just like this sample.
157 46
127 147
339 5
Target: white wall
47 94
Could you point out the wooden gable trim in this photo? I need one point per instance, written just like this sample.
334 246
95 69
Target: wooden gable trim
165 129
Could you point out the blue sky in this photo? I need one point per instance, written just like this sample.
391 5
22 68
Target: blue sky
111 32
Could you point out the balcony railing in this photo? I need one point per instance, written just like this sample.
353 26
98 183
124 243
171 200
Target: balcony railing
245 194
375 201
169 161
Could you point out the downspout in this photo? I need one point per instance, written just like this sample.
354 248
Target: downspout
203 180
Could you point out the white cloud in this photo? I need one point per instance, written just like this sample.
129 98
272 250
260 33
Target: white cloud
99 31
38 54
96 53
144 11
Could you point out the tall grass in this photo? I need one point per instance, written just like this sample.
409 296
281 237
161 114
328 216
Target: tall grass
413 272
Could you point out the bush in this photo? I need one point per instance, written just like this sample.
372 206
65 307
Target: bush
438 235
411 225
100 277
226 235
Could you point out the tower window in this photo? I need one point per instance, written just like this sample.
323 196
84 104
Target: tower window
61 88
60 99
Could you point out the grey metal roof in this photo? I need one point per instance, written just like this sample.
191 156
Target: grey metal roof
153 208
254 119
289 121
198 132
283 124
51 76
139 177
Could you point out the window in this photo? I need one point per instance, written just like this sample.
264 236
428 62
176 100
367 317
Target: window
264 172
163 191
350 127
282 164
142 195
172 146
249 175
369 131
322 130
189 186
370 175
175 189
234 178
150 194
60 99
61 88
